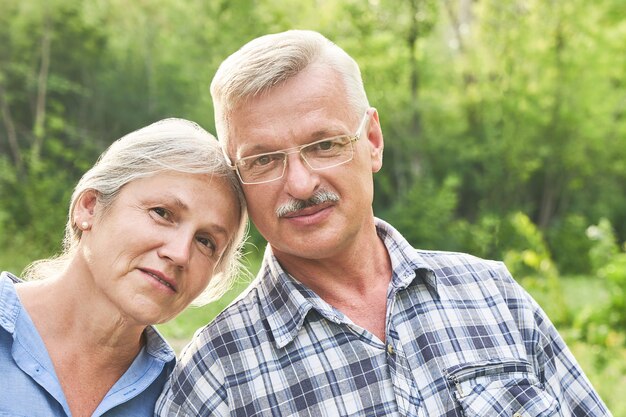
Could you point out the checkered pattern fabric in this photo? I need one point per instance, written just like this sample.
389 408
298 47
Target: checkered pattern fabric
462 339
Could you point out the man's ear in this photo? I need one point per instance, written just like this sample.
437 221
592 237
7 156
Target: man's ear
374 136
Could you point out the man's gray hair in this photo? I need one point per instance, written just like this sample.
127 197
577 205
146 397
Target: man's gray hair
268 61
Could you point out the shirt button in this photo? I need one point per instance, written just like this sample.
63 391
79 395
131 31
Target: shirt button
517 414
390 349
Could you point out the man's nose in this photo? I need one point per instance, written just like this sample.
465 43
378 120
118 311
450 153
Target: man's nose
301 180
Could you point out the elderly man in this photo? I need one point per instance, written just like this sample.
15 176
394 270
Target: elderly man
345 318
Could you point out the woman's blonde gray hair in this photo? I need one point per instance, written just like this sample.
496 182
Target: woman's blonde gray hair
173 144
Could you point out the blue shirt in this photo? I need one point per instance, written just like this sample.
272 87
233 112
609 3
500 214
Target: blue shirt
462 339
29 386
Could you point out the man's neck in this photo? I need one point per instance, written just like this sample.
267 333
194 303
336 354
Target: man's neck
354 281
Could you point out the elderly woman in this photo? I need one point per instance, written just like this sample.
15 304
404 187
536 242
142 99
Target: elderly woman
157 223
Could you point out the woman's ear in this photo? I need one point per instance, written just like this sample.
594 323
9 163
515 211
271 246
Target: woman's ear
84 212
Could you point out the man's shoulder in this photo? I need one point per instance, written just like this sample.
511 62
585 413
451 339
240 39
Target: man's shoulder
456 261
442 263
457 268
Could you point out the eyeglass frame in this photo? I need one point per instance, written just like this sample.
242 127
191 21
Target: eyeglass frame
298 149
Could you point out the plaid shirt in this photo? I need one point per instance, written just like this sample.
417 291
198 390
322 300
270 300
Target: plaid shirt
462 339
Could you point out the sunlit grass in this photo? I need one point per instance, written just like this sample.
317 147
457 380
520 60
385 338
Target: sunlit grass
180 330
606 369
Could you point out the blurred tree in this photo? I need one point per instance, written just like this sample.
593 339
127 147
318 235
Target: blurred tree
522 104
47 57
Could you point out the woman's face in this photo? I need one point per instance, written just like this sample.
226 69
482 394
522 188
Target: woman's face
154 250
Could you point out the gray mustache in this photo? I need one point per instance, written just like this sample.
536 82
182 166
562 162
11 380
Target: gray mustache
321 196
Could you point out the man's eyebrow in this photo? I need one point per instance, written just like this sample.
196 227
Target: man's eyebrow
325 133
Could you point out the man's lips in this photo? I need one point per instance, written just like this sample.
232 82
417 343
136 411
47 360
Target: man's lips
308 211
162 278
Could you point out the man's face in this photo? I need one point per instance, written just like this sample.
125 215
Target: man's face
307 108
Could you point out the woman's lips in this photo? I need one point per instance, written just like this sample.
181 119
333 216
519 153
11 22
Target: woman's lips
161 278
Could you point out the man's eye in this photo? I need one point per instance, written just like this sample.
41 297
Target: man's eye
326 145
263 160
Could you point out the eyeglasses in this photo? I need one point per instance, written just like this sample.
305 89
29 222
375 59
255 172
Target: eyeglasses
318 155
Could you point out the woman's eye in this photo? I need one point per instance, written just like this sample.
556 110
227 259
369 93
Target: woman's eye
207 242
163 213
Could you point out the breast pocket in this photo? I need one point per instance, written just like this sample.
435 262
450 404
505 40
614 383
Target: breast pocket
502 388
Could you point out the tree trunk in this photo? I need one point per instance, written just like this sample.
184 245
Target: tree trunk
11 134
42 90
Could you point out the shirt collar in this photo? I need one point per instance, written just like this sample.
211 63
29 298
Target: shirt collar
286 302
156 345
9 302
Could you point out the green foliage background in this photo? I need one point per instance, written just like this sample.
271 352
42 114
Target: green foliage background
504 123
